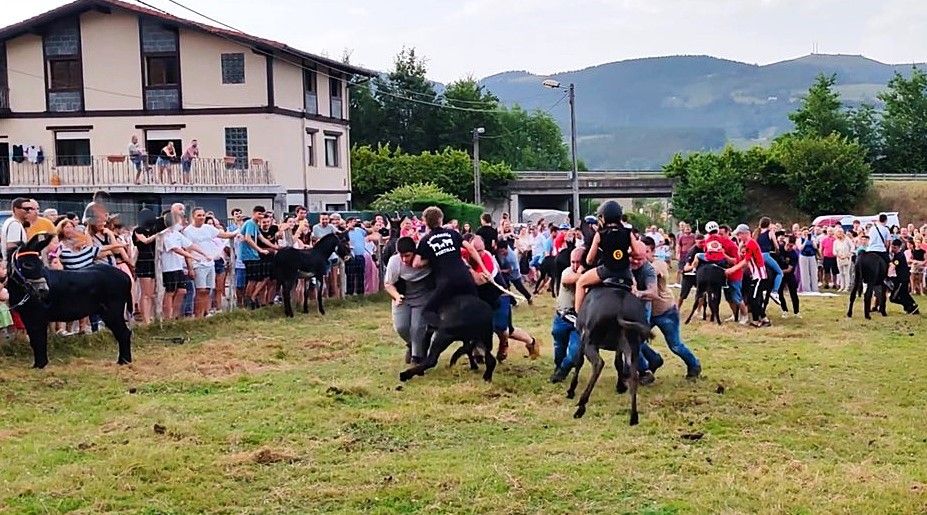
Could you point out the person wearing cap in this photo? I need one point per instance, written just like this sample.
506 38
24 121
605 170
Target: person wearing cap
760 283
901 287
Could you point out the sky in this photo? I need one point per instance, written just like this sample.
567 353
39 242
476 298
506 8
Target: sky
477 38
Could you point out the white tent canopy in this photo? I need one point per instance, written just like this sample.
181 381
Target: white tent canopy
549 215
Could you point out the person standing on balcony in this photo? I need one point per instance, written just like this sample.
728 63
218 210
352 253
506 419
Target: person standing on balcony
167 155
138 157
186 161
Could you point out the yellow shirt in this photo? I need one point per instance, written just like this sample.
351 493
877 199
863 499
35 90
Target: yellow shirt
41 224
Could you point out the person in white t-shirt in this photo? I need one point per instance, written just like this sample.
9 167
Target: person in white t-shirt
204 236
13 233
174 260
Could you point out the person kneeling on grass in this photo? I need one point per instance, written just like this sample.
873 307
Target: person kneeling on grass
615 245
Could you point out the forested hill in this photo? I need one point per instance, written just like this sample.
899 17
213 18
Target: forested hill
638 113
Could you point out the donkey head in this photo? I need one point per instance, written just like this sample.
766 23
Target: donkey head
26 268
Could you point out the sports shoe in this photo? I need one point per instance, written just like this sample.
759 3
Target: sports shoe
797 315
774 296
744 321
785 314
559 375
729 319
647 378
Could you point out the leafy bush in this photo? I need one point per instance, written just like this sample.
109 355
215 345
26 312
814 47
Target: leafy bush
381 169
708 186
827 175
417 197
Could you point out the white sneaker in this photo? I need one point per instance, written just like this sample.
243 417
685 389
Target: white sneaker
797 315
729 319
785 314
775 298
743 321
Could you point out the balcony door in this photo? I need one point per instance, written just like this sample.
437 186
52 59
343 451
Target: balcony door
156 140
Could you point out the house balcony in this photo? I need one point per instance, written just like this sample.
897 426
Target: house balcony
118 174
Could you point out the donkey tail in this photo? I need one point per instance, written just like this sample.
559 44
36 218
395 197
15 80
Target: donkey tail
632 325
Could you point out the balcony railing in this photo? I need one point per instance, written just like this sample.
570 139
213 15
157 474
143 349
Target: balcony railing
118 170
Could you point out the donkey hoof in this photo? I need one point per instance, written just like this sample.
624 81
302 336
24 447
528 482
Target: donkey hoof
487 378
634 420
580 411
620 387
123 361
405 376
39 366
570 394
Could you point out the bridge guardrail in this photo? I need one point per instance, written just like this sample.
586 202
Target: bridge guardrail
589 174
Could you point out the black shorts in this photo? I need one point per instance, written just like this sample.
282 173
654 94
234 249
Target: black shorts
830 265
254 270
174 281
688 282
606 273
144 269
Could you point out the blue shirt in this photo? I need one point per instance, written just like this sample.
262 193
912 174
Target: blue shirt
250 228
358 238
511 262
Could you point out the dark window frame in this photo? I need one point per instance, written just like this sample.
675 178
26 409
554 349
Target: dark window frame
310 87
72 158
143 62
162 55
47 59
333 98
78 78
336 161
225 59
310 149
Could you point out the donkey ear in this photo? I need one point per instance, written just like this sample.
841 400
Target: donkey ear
39 241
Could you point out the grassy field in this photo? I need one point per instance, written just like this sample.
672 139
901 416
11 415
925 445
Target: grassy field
256 413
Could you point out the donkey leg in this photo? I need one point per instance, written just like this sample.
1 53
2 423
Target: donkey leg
592 353
716 305
457 355
867 305
857 281
122 333
490 360
38 340
698 298
318 296
287 287
883 300
622 385
635 376
440 343
571 391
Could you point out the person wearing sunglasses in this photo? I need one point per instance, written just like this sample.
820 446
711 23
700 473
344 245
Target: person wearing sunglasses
13 233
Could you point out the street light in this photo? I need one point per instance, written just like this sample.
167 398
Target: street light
476 164
574 182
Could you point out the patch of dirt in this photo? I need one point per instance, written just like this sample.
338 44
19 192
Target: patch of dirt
263 456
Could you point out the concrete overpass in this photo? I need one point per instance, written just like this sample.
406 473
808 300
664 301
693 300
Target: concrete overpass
552 189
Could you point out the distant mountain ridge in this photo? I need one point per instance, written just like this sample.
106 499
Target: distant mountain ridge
637 113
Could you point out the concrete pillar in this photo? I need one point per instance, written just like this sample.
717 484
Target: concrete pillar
514 210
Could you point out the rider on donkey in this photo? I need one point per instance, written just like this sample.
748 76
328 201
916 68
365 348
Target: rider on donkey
615 244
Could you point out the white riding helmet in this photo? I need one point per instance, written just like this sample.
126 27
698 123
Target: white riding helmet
711 227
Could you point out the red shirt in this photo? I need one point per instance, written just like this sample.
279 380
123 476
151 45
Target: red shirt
559 241
731 251
754 257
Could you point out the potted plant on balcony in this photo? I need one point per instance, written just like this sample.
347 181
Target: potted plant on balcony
230 160
116 158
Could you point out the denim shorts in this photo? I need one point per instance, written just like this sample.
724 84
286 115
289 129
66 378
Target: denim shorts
736 291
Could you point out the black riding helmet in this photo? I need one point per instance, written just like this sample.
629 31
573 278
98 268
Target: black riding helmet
610 213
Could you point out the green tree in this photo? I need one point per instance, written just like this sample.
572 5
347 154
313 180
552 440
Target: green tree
410 118
829 174
528 141
904 123
366 115
708 187
865 128
470 98
821 112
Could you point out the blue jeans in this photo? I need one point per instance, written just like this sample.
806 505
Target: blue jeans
567 344
648 358
669 325
777 280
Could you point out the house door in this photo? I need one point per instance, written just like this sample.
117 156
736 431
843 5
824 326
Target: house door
156 140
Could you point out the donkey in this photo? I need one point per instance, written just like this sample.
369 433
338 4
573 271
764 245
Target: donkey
464 318
611 318
871 270
709 279
291 264
41 295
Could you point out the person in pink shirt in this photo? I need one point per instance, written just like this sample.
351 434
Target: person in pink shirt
829 260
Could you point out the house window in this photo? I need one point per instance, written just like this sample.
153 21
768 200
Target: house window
310 88
236 145
161 70
310 149
233 68
72 148
332 159
64 74
335 93
61 45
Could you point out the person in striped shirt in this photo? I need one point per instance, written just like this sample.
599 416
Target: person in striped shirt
760 283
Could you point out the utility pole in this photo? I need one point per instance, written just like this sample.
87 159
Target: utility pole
476 165
575 179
